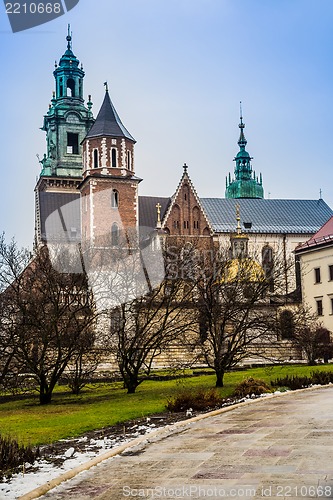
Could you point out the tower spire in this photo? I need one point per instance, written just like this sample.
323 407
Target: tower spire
241 141
69 38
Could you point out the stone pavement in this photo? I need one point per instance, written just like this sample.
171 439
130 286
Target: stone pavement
274 448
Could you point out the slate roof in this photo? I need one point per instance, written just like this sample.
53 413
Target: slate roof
64 209
322 237
268 216
108 122
148 211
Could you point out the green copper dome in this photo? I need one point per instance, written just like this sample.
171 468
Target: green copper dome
245 183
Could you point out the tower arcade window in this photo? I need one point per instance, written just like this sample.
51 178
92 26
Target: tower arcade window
70 87
61 87
95 158
114 198
72 143
114 158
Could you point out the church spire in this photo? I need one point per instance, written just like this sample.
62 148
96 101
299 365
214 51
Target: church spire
108 122
245 183
69 38
241 141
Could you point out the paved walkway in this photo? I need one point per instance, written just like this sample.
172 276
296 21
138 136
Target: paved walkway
274 448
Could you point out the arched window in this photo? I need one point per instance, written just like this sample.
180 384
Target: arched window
114 198
287 325
176 219
113 157
95 158
129 160
196 217
268 264
115 235
70 87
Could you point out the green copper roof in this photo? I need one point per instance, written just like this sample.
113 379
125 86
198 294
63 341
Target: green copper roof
245 183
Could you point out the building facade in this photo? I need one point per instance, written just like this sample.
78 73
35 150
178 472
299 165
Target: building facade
316 267
88 184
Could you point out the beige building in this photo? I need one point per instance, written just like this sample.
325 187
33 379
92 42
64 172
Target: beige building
316 267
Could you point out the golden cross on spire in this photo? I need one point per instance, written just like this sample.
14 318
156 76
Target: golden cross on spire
158 206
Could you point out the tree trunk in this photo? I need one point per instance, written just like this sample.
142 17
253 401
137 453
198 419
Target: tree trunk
219 378
131 382
45 391
45 398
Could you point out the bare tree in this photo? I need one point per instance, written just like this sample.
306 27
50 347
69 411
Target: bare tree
149 307
51 313
236 317
306 333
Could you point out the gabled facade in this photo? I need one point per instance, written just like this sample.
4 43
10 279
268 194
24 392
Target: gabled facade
316 268
185 215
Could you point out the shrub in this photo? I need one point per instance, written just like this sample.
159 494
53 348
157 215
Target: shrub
251 386
295 382
198 399
321 378
13 455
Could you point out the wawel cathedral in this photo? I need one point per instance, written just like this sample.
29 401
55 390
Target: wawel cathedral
91 161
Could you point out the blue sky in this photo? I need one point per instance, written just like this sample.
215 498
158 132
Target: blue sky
177 70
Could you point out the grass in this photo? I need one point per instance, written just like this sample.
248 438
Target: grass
103 405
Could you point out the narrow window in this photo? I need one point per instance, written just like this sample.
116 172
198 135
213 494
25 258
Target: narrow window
95 158
330 272
114 198
319 307
317 274
61 88
115 235
113 158
331 306
287 325
72 143
184 225
185 196
129 163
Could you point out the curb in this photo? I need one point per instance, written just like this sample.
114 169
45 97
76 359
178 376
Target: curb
147 439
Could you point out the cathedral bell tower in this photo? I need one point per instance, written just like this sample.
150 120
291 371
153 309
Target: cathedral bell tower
66 124
109 190
245 184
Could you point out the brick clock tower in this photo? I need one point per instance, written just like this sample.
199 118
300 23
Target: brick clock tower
109 190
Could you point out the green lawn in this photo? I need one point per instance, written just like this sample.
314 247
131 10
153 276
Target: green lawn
102 405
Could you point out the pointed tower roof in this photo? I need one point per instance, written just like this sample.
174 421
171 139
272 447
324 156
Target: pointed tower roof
108 122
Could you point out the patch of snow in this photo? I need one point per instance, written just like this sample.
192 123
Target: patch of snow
43 471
